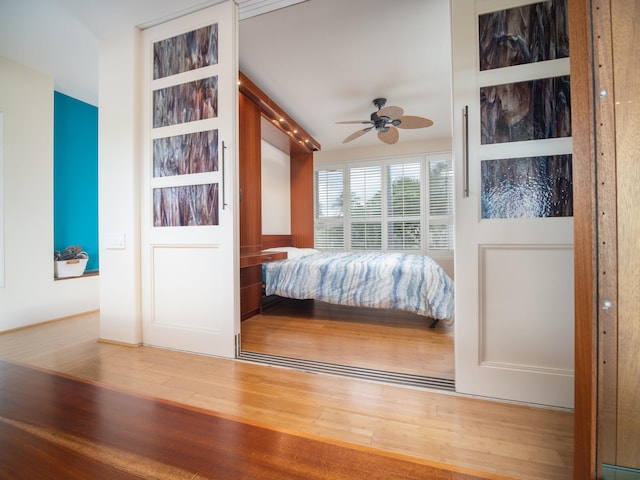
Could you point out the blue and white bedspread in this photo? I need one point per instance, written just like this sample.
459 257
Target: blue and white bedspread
409 282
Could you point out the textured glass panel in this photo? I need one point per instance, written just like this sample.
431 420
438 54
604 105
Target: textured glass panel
186 102
527 187
521 111
190 205
186 52
528 34
185 154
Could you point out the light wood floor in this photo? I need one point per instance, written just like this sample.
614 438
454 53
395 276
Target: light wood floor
357 337
481 435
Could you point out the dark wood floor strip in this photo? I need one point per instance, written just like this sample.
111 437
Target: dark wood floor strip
56 427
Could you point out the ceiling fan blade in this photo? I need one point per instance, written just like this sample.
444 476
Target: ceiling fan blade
390 111
358 121
411 121
357 134
391 136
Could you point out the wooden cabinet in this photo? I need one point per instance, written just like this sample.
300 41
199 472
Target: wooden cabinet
251 287
254 106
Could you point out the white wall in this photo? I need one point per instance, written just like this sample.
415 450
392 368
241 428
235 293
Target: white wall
119 153
30 294
382 151
276 191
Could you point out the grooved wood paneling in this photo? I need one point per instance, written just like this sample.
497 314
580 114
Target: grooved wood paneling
605 154
625 16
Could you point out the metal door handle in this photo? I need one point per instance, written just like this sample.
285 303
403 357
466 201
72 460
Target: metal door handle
224 194
465 151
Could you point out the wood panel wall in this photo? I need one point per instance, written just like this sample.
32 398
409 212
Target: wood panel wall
605 88
250 150
625 28
302 228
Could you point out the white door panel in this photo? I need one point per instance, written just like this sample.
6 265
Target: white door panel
514 276
190 298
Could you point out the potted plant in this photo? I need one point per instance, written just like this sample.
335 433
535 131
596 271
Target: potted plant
71 262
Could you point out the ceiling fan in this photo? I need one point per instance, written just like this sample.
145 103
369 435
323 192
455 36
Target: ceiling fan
385 120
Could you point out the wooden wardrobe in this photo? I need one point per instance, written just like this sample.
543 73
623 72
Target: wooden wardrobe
254 106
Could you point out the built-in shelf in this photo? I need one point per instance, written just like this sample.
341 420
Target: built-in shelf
88 273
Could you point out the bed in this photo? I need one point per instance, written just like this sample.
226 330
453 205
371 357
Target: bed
414 283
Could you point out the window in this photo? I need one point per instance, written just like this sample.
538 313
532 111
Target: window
365 207
329 209
380 205
440 204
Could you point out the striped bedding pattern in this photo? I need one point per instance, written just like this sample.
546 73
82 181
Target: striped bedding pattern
410 282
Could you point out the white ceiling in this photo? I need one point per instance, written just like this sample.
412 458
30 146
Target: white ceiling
321 60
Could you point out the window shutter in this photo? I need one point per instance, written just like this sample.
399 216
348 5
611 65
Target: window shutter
441 204
329 236
329 194
365 207
329 209
399 204
403 190
440 187
404 200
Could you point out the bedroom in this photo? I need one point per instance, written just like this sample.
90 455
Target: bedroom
353 99
508 246
119 122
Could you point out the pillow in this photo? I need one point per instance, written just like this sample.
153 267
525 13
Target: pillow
293 252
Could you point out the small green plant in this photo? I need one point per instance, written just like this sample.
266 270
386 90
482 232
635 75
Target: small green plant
72 252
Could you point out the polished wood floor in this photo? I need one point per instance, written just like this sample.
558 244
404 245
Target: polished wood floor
469 434
357 337
57 427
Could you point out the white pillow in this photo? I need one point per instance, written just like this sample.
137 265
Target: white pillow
293 252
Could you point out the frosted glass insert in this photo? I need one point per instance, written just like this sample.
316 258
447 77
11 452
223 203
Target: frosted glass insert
190 205
527 187
189 51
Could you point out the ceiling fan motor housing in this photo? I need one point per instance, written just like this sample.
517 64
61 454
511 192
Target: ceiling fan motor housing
380 123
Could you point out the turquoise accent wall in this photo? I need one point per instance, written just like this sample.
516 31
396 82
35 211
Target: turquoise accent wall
75 176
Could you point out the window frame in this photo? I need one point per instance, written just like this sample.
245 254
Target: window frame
385 219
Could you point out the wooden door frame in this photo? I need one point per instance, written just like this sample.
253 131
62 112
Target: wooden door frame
585 238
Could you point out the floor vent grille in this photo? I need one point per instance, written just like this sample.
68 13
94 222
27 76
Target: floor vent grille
314 366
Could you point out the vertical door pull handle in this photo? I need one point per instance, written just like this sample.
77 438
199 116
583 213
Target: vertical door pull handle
224 192
465 151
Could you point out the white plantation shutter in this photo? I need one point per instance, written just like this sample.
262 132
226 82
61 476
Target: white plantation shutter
440 203
387 204
365 207
329 209
404 201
